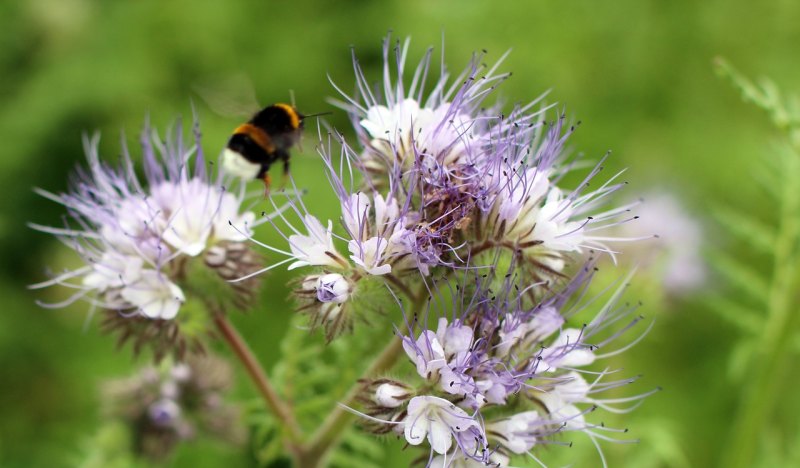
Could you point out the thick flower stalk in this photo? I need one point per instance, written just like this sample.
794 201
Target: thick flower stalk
142 240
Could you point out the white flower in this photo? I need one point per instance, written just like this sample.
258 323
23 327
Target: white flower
114 270
154 295
426 353
454 338
545 322
164 412
553 225
566 351
437 420
517 433
405 129
316 248
369 255
355 215
195 211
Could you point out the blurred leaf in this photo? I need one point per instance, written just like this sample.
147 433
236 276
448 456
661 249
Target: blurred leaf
740 359
358 449
748 229
765 95
748 320
743 277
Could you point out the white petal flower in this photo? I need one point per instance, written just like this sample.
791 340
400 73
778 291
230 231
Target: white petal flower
566 351
454 339
355 214
229 224
369 255
114 270
518 433
437 420
164 412
427 353
316 248
553 226
386 213
138 227
154 295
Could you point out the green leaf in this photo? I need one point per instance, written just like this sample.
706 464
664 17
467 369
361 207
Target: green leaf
358 449
740 358
740 276
734 312
765 95
750 230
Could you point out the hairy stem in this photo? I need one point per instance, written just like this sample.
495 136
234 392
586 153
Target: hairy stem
281 409
336 423
758 401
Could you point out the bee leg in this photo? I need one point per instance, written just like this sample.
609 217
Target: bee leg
285 176
267 182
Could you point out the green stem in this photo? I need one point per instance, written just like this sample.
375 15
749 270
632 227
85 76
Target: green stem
335 424
759 400
281 409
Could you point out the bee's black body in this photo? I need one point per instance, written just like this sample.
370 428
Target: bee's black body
266 138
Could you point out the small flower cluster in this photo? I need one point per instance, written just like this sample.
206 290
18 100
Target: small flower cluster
139 238
166 405
500 374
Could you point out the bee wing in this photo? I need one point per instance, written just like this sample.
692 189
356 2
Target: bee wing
231 95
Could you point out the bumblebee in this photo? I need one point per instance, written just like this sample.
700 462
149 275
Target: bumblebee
265 139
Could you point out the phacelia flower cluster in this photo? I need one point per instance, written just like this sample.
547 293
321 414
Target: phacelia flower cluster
173 403
441 181
498 374
442 195
139 238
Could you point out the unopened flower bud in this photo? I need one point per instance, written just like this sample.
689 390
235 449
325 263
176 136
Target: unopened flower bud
332 287
164 412
390 395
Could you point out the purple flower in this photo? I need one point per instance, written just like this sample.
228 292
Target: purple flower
332 287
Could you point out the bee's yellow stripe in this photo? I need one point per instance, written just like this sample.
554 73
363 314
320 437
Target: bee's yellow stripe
258 135
295 119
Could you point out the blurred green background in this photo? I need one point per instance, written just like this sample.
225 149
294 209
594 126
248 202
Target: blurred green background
637 73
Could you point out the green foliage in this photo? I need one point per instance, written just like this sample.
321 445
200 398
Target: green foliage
313 375
108 448
770 321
